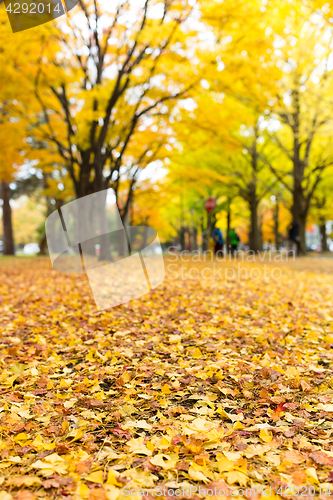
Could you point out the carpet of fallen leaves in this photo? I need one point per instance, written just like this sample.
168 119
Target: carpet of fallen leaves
202 382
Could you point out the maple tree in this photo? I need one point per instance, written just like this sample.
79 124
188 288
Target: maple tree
10 158
102 99
16 60
103 87
232 159
303 106
105 90
282 69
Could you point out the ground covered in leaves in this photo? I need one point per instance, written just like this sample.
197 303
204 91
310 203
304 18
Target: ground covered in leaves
210 383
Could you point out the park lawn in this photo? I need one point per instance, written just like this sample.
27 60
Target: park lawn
210 383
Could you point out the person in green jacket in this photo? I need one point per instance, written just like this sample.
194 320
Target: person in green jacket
234 240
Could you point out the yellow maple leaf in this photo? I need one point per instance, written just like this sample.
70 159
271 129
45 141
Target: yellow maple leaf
63 384
9 381
225 465
112 478
38 443
136 446
65 425
197 475
265 435
83 491
95 477
237 426
312 474
90 356
197 354
78 436
164 444
237 477
21 437
165 389
150 446
164 461
124 378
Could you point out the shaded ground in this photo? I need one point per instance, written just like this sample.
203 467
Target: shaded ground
218 383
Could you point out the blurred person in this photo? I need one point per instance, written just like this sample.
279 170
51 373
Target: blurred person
218 239
234 241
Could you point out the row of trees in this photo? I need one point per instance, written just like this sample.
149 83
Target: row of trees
263 127
235 103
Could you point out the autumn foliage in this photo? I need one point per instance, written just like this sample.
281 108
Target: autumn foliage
210 383
220 378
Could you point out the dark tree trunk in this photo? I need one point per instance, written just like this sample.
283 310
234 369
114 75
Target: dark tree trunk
324 246
186 238
228 227
42 245
8 239
203 236
299 214
194 233
94 225
302 240
255 236
255 233
182 238
209 228
104 239
299 210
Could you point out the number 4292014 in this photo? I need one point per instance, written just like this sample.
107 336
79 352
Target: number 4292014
290 491
34 8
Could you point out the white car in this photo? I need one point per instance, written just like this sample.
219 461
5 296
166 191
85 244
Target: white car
31 249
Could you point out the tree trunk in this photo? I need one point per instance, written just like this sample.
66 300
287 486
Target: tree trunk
206 233
302 241
94 221
194 233
203 236
255 236
42 245
103 229
182 238
324 246
228 227
255 233
8 240
276 225
299 206
186 238
209 228
299 215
